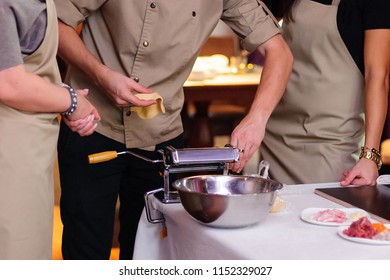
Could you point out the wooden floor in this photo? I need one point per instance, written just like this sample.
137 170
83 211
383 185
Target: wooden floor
57 233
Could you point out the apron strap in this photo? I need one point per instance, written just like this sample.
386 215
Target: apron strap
269 13
335 3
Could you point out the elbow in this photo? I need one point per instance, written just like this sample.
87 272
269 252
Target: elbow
6 95
6 90
380 77
278 50
11 81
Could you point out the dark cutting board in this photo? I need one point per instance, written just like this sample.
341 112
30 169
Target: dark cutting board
375 200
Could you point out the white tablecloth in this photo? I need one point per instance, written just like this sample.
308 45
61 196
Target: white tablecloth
281 236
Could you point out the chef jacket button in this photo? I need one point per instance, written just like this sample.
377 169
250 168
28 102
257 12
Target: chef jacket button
193 13
128 113
153 5
136 79
145 43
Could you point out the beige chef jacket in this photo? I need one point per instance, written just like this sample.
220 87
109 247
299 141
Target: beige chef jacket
155 43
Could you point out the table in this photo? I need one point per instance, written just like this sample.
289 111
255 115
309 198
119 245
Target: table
237 89
282 236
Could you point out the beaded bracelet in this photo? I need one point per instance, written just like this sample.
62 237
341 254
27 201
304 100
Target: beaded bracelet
73 98
371 154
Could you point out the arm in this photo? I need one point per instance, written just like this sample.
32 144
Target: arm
42 96
249 134
15 83
377 68
116 85
26 91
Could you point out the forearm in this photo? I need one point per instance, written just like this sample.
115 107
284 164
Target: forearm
375 110
274 78
377 67
72 50
26 91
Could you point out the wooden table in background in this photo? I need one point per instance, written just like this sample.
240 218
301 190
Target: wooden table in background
235 89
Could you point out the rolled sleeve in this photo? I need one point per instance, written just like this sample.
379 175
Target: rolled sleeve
253 22
258 36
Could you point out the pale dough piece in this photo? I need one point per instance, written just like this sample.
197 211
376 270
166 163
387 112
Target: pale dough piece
278 205
152 110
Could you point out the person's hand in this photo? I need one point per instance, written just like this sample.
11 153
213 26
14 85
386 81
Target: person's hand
83 118
121 89
365 172
247 137
84 127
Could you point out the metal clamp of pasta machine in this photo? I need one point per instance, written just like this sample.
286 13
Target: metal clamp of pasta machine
186 161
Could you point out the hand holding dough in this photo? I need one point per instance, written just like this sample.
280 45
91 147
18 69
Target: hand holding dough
150 111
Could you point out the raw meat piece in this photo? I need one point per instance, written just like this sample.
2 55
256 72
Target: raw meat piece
361 228
330 215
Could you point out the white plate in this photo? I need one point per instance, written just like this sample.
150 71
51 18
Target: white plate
352 214
362 240
383 180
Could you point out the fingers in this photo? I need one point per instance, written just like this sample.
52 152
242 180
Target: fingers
84 127
87 129
83 92
140 89
246 149
128 98
364 172
245 153
345 181
96 114
135 101
357 179
238 166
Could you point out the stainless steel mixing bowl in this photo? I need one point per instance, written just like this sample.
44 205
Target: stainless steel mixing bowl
227 201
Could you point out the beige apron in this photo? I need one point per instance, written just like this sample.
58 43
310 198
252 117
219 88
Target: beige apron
315 132
27 154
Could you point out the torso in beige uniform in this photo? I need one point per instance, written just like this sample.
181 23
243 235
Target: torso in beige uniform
27 151
155 50
316 130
